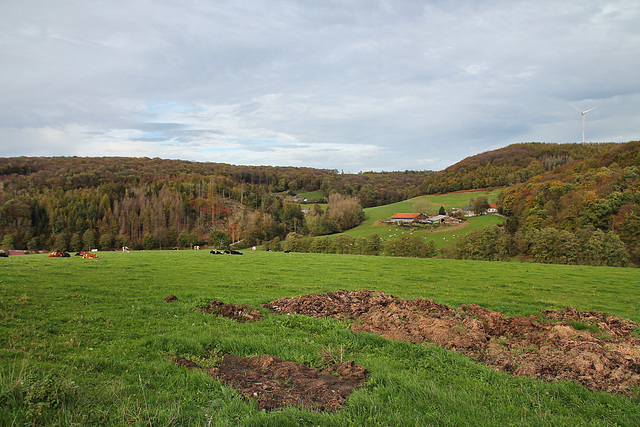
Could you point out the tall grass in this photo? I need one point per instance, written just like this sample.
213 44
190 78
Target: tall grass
89 342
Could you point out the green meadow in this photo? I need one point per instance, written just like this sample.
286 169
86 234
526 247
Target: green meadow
442 235
90 342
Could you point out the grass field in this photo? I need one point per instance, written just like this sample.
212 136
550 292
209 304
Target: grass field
89 342
443 236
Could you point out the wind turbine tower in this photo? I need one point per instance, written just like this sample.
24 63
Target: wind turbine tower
583 114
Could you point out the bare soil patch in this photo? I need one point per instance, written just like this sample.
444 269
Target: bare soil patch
240 313
592 348
274 383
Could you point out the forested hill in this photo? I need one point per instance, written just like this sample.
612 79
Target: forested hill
598 193
510 165
116 174
73 202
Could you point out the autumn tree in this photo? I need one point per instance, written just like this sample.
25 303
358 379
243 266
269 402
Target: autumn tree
480 205
344 212
220 239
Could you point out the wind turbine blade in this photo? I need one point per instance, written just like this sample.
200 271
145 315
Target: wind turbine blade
589 110
576 108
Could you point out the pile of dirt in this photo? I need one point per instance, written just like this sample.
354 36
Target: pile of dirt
171 298
274 383
592 348
240 313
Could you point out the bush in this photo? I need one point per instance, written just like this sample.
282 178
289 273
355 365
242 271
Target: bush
410 246
489 244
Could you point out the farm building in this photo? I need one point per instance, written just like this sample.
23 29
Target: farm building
443 219
406 218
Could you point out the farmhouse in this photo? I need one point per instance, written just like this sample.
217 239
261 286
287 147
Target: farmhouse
493 208
406 218
444 219
468 211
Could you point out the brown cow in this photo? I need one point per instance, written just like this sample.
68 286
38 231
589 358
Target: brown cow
87 255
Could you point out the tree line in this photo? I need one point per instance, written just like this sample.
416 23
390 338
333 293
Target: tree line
71 203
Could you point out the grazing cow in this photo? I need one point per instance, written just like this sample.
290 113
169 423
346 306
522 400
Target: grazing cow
287 251
232 252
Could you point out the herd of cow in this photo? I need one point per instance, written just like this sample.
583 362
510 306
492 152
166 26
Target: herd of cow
226 251
83 254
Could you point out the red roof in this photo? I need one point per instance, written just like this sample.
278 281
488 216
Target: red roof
405 216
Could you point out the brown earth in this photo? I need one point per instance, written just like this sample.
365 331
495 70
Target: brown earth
601 353
240 313
274 383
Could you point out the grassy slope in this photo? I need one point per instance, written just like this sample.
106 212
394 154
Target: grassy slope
104 326
442 236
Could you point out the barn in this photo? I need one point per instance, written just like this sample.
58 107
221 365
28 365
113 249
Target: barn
406 218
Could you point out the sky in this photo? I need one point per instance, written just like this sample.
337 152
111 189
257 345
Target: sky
351 85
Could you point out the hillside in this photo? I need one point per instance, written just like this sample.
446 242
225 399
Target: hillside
598 193
72 202
509 165
589 192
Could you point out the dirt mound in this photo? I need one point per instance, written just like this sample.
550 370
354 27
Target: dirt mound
240 313
171 298
274 383
595 349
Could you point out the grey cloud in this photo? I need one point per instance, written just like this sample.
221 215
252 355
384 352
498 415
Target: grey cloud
355 85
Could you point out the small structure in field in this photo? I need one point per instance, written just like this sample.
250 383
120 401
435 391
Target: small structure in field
406 218
444 219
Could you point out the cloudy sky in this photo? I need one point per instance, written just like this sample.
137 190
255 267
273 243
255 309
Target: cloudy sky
353 85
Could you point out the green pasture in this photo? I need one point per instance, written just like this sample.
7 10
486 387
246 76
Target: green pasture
311 195
433 203
90 342
442 235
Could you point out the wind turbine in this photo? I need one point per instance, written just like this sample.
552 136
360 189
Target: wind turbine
583 114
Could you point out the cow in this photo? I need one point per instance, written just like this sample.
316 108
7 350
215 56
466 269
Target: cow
216 252
86 255
3 254
232 252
